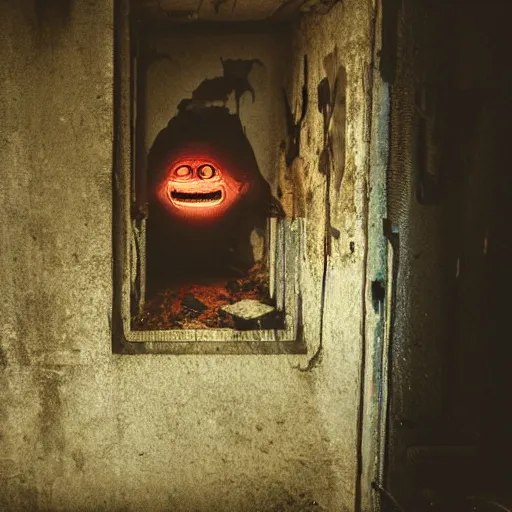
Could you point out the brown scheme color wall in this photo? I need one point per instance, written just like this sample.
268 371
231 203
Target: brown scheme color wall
82 429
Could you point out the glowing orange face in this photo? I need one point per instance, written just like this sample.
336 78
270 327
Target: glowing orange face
199 189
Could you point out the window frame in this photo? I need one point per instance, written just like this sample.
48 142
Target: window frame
283 239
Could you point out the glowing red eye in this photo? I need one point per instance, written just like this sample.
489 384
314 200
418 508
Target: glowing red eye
206 172
183 171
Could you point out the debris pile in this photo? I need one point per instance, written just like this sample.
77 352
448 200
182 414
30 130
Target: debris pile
242 303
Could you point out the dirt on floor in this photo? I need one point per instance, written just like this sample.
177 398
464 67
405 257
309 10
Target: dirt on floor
198 306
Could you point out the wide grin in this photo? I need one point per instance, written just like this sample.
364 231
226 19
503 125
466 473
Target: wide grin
199 189
185 198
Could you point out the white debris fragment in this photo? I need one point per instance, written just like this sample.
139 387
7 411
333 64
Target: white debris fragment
248 309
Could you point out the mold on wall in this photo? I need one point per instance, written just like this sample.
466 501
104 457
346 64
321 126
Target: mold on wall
83 429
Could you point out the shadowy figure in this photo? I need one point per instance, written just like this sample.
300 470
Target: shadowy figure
235 79
206 195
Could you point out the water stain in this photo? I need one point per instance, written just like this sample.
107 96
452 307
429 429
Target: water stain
52 16
3 359
331 94
52 434
294 128
79 459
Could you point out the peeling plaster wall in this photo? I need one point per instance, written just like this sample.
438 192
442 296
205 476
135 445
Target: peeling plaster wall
82 429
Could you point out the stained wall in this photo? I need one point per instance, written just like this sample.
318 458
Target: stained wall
83 429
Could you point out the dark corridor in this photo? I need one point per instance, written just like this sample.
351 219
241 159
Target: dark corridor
450 181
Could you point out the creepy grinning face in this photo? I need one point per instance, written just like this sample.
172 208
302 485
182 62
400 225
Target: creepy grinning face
199 188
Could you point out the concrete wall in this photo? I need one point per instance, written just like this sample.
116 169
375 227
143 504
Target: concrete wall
82 429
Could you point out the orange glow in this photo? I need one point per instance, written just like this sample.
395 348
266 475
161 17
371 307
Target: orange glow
199 188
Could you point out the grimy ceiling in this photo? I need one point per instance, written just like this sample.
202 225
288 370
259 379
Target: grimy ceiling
230 10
